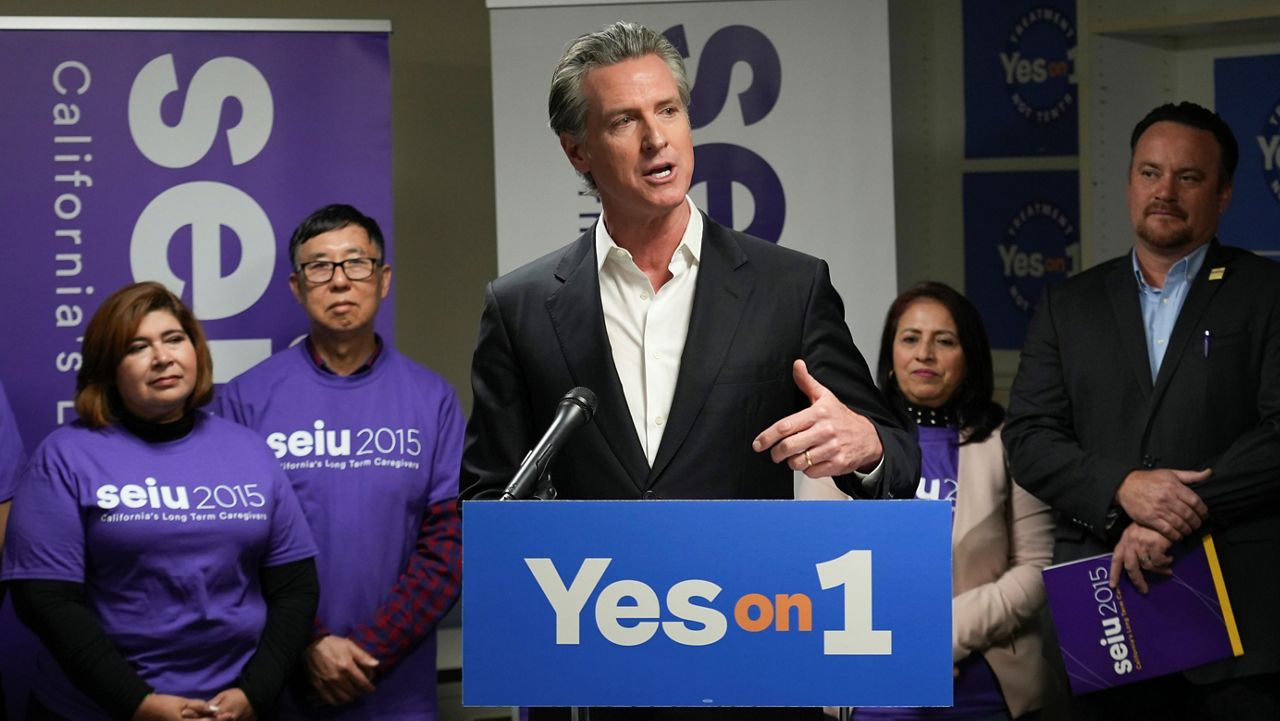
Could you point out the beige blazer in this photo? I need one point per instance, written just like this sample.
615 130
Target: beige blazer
1001 538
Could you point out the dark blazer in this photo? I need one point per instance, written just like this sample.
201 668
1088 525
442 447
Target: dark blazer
1084 412
756 308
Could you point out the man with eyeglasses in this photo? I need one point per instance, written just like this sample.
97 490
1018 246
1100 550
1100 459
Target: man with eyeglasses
372 443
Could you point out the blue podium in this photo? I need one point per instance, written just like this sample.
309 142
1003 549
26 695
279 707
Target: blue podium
706 603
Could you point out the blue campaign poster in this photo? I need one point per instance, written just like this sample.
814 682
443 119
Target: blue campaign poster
1020 93
707 603
1247 96
1021 233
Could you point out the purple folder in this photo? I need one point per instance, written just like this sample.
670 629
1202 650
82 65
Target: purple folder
1110 638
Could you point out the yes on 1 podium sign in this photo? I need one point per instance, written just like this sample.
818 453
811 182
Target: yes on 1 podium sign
707 603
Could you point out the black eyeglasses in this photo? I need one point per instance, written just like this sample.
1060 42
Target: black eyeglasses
321 271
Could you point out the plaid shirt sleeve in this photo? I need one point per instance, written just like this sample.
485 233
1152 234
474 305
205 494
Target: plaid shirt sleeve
425 592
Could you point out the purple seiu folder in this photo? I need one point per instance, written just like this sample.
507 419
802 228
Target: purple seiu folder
1114 637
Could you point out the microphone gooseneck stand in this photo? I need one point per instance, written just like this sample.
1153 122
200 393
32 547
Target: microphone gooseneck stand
533 478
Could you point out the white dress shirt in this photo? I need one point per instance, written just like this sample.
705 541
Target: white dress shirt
647 330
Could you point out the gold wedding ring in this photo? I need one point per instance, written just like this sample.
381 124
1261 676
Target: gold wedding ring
807 460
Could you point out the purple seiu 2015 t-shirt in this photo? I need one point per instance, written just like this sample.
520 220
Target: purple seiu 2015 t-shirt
367 454
976 691
168 538
12 456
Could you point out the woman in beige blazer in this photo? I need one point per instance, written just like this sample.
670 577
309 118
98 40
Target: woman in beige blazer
935 368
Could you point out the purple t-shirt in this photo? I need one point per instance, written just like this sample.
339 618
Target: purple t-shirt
367 454
168 539
977 690
939 463
12 456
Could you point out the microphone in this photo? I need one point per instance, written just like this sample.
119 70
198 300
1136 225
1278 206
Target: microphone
576 409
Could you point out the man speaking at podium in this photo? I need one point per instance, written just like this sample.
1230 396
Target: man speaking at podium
721 361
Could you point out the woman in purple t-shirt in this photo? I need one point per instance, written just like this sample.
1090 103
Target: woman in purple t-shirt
157 551
935 368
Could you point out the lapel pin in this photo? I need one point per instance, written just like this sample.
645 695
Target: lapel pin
1217 273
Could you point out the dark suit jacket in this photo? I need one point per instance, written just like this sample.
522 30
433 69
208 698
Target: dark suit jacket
756 308
1084 412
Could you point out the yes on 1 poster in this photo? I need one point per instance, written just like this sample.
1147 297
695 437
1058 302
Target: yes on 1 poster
1020 92
1021 234
1247 96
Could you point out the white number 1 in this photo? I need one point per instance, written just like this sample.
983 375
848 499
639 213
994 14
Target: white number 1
853 571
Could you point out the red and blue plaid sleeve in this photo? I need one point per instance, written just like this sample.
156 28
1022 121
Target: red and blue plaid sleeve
426 591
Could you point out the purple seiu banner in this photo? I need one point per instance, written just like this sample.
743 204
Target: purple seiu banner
1111 637
186 157
183 157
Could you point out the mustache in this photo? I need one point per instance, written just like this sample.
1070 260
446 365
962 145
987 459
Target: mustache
1159 206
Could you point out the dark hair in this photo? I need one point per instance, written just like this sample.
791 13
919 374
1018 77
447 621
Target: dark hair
567 106
333 217
1201 118
976 412
106 341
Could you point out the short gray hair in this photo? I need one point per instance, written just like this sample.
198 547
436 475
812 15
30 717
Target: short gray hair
613 44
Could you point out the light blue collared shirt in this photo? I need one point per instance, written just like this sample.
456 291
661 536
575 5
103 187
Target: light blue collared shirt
1161 306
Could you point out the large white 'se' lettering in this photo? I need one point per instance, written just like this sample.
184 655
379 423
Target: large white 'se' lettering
853 571
184 144
206 206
